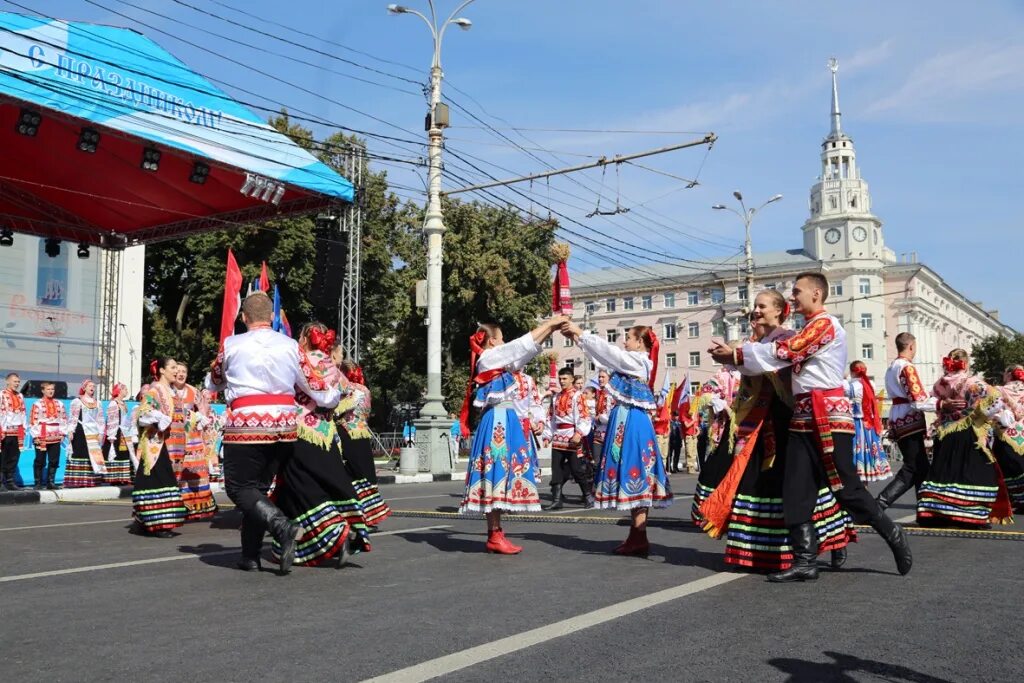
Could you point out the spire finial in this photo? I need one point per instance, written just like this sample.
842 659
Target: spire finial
833 66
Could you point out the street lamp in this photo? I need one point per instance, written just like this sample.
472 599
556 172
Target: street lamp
433 425
747 216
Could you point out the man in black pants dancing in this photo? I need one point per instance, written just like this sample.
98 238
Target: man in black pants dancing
258 372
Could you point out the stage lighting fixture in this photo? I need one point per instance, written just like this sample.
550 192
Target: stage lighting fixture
83 250
52 247
200 172
150 159
28 122
89 140
6 237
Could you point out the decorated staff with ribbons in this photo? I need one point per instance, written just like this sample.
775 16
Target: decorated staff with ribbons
965 485
48 426
632 473
868 456
820 446
86 429
501 472
740 496
12 432
121 433
1008 447
157 506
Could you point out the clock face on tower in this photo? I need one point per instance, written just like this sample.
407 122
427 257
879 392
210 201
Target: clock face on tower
860 234
832 235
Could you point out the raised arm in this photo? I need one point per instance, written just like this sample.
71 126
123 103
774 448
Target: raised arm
511 356
617 359
762 357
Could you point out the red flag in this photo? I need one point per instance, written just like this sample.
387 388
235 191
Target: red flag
553 377
561 295
264 279
232 300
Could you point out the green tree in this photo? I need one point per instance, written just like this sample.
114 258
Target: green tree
992 356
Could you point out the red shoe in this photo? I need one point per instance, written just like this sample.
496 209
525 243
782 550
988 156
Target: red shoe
497 543
636 544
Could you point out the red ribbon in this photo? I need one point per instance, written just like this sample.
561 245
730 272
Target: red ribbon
652 340
785 311
355 375
476 348
322 341
869 402
561 295
153 369
950 365
1018 374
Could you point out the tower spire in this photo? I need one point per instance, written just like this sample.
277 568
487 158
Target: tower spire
833 65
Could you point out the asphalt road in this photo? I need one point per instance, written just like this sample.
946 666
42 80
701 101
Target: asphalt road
428 602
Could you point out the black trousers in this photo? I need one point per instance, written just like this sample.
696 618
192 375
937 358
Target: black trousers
915 461
48 457
10 453
249 470
566 464
804 476
675 450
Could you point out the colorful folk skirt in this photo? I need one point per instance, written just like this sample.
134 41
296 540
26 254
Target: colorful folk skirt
711 474
501 474
119 464
632 473
85 467
194 481
868 456
1012 465
357 455
176 442
316 492
962 484
156 498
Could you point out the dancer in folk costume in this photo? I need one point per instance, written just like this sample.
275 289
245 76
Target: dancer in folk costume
352 415
501 473
193 471
313 487
603 404
87 431
48 426
535 415
119 447
1008 447
745 503
12 432
910 401
716 395
965 485
157 506
570 423
632 474
211 436
868 456
819 449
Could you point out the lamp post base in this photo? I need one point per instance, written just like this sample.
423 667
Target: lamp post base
432 444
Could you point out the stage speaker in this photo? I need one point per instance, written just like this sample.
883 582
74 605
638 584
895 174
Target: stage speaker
329 265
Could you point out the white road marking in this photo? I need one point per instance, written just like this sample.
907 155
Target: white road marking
436 495
520 641
182 556
908 518
126 520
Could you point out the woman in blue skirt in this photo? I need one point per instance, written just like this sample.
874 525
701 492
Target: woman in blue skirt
868 455
631 474
502 474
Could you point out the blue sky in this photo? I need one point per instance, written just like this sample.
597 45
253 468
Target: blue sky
931 93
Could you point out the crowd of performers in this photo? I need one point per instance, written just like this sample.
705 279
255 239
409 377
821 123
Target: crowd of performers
794 436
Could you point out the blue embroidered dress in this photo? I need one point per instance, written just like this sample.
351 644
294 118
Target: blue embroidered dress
502 472
630 471
868 455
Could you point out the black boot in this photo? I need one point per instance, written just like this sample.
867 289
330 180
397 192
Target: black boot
51 480
588 497
804 540
892 533
556 498
282 529
252 544
838 558
12 485
892 492
37 477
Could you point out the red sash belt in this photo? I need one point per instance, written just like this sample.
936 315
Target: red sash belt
900 401
565 425
263 400
823 431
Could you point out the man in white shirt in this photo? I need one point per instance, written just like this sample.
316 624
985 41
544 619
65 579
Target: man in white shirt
258 371
12 432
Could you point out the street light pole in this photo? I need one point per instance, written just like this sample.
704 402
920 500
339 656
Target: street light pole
433 425
747 216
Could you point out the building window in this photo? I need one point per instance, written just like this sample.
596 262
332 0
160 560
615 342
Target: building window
693 330
591 366
864 285
670 300
612 336
867 321
566 341
692 298
609 305
799 321
867 351
694 359
744 327
647 302
670 331
627 303
670 360
835 289
742 293
842 320
718 328
694 388
549 343
591 307
718 296
571 364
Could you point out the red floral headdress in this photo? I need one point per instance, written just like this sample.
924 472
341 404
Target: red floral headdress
322 341
951 365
